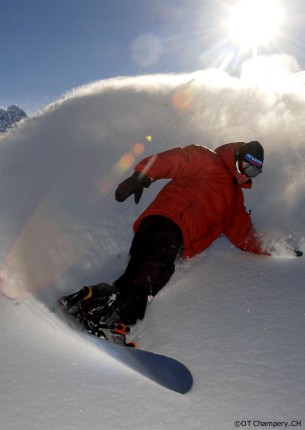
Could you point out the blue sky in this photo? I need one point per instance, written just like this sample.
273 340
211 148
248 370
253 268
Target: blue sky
51 46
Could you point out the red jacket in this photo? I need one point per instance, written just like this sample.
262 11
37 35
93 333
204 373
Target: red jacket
202 197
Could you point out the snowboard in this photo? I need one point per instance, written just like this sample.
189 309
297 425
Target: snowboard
162 369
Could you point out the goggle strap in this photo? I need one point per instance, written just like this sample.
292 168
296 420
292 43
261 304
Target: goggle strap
253 160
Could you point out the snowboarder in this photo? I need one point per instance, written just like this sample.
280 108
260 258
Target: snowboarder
203 200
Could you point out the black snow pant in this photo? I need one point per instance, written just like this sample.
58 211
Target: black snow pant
153 251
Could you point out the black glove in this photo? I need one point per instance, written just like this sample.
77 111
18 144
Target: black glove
132 185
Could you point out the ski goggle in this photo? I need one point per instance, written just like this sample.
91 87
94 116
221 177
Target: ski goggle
251 166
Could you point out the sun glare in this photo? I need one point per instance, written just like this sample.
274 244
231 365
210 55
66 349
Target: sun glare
255 22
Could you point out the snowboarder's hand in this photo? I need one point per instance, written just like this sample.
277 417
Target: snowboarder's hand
297 252
132 185
283 250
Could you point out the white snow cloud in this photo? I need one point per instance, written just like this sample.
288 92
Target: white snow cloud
78 149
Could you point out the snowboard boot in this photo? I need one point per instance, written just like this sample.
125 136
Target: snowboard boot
79 304
120 309
103 311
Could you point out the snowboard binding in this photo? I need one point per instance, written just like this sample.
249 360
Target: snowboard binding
91 308
115 332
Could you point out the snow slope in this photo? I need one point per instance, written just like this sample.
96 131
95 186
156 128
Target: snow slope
235 319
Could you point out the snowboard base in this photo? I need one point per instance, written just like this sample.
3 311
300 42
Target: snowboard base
162 369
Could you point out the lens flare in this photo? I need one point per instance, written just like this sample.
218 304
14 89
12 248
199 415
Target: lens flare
182 100
138 148
146 49
124 163
49 244
126 160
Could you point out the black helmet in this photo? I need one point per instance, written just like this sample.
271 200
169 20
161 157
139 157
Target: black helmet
250 158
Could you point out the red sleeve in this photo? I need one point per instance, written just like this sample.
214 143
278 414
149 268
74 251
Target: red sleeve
174 163
243 235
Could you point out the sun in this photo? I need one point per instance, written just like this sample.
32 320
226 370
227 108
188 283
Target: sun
253 23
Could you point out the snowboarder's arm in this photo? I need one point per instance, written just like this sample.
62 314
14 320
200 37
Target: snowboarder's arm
243 235
174 163
168 164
